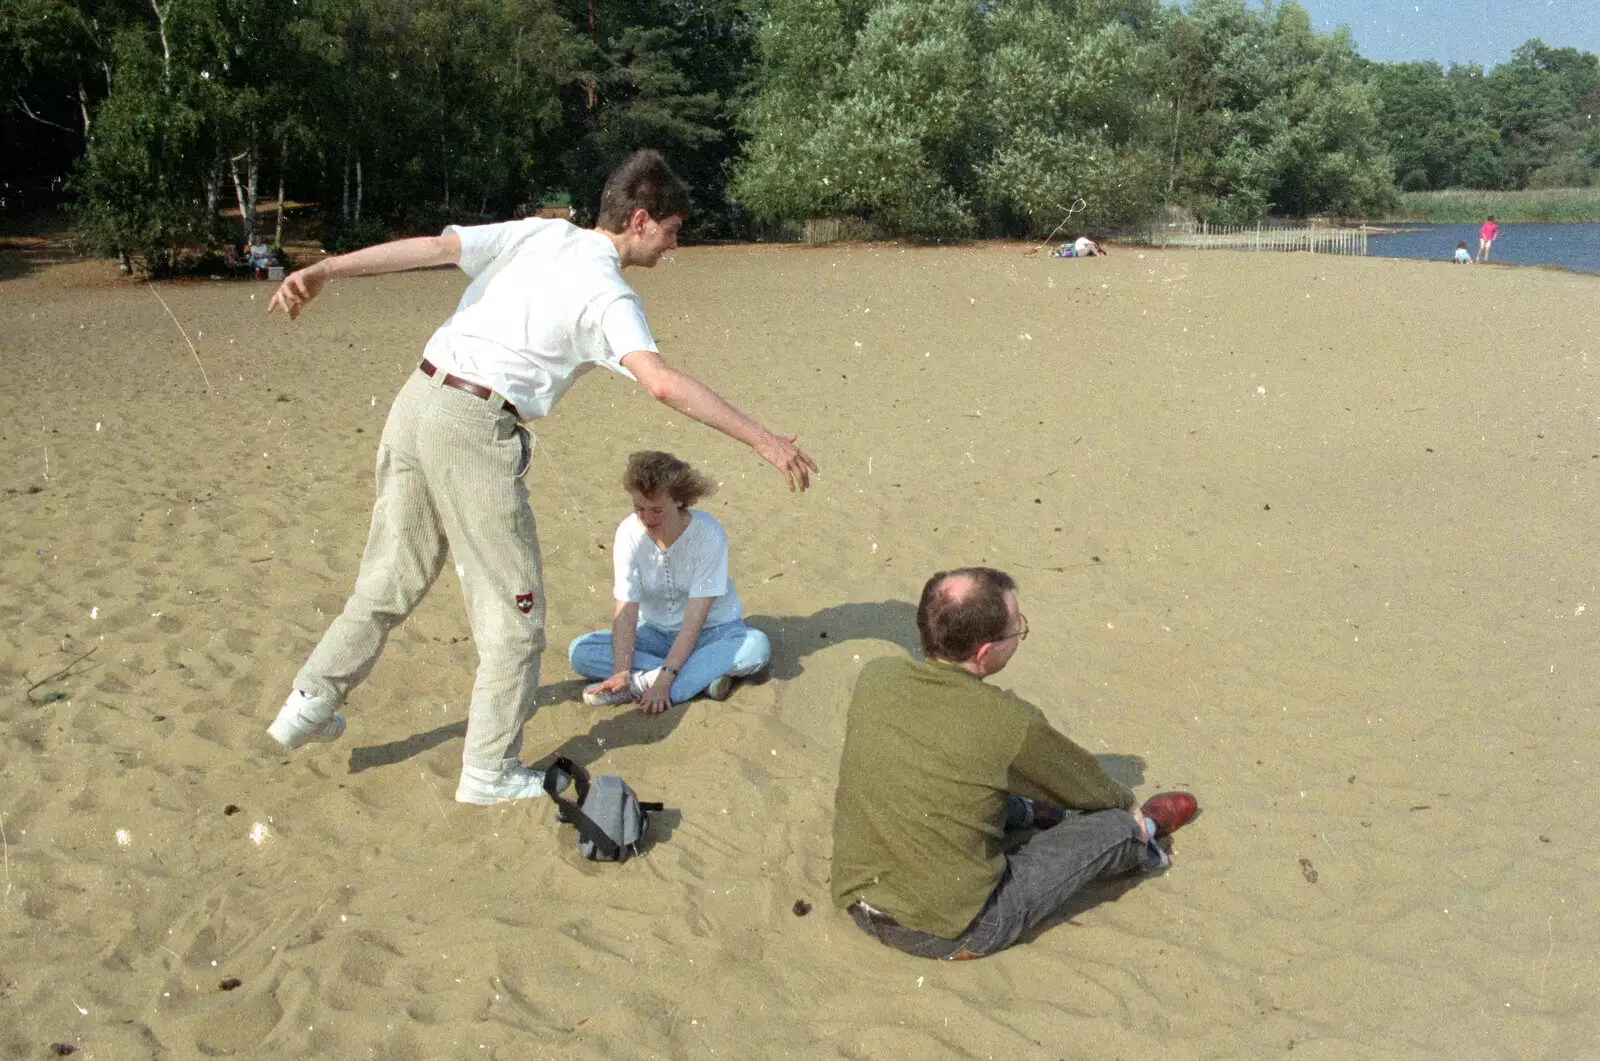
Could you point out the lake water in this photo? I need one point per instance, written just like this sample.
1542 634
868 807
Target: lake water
1569 246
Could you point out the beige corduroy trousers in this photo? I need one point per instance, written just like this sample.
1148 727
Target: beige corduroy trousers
450 469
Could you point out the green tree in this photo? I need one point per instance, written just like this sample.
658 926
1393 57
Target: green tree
867 113
140 188
1420 120
1071 124
1535 101
1278 118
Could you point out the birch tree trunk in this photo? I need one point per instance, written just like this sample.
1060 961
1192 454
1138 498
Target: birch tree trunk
252 184
166 49
213 190
83 109
283 164
245 191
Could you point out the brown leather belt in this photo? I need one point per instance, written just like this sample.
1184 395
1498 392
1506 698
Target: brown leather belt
477 390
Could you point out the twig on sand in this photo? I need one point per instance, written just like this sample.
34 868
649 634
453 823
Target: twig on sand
1063 567
61 672
181 332
435 796
1549 931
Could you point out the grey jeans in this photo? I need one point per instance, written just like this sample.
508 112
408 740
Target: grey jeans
1040 876
450 469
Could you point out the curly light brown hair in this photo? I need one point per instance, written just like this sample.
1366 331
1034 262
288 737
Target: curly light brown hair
652 473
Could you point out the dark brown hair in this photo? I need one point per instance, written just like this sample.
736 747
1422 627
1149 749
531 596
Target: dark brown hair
645 182
962 609
652 473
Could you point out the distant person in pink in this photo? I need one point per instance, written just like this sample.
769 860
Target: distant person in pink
1486 236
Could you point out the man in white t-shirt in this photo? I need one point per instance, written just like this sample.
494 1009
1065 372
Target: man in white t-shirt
547 303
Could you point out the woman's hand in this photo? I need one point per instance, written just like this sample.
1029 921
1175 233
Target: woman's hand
657 698
614 684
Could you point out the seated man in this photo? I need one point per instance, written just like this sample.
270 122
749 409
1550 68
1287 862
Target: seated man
932 760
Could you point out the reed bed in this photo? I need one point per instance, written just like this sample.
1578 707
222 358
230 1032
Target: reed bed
1462 206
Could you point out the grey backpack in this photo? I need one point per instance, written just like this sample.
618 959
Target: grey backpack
609 818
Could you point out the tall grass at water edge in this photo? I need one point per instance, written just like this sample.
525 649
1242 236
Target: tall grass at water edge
1462 206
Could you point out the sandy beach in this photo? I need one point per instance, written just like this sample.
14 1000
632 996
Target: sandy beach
1310 537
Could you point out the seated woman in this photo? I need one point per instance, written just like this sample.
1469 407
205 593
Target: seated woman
678 628
261 257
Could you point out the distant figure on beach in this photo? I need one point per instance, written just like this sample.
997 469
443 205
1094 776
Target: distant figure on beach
678 628
938 765
1486 238
1463 256
1082 247
546 304
261 256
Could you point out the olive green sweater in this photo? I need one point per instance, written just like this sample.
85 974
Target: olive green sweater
930 754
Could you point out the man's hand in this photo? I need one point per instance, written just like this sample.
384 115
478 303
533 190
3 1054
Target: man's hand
297 289
696 400
781 452
657 698
415 252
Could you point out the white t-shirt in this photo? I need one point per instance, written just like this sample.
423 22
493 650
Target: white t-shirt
661 580
546 304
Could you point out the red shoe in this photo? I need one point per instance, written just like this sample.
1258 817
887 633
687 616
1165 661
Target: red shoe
1170 811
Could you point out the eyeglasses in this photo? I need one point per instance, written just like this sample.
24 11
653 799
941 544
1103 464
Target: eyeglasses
1021 633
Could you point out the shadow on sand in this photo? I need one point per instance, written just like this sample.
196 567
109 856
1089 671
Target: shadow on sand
796 637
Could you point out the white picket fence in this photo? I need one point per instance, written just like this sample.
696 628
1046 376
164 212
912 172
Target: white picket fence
1314 238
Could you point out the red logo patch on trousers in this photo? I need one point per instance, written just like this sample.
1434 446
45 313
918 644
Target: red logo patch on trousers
525 603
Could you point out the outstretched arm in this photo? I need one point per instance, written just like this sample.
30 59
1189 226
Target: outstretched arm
624 629
419 252
699 402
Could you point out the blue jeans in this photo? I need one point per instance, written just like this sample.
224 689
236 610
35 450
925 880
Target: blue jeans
727 648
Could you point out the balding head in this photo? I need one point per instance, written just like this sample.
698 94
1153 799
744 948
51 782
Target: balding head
962 609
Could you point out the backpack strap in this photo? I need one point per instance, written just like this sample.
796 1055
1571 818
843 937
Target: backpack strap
572 812
552 781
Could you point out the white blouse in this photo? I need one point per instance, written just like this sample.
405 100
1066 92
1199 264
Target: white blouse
661 581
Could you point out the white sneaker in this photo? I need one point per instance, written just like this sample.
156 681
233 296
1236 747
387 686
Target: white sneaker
488 787
594 697
305 718
722 688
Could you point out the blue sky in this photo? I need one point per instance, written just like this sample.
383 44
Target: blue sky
1463 31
